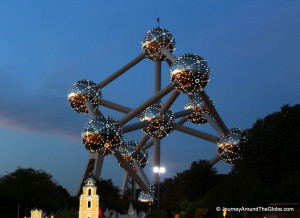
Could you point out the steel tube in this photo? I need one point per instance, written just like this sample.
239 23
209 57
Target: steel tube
169 102
156 161
120 71
141 144
139 169
212 123
157 77
196 133
146 104
131 171
90 108
115 106
124 184
149 144
168 54
214 160
135 126
182 120
183 113
212 110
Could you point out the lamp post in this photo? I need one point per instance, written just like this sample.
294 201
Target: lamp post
158 170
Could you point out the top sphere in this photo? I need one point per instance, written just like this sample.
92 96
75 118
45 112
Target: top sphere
81 91
189 73
154 39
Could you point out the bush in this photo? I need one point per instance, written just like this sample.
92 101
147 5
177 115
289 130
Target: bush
157 214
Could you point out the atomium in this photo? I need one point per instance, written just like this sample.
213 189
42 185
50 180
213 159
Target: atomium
80 92
228 145
102 134
189 73
159 125
128 150
153 40
199 109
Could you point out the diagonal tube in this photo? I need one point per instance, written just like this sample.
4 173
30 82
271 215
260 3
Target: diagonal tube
169 102
196 133
214 160
168 54
146 104
135 126
131 171
183 113
121 71
212 110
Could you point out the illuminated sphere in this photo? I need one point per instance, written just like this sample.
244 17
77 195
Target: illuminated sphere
147 197
160 125
189 73
228 146
199 107
128 149
102 134
81 91
154 39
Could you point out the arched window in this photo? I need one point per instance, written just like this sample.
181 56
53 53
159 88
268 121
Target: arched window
89 204
90 192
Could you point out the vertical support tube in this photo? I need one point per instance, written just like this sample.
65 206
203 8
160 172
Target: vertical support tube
157 79
124 185
156 161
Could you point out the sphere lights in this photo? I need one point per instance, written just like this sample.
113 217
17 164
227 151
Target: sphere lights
228 146
81 91
189 73
153 40
147 197
103 134
128 150
199 108
160 125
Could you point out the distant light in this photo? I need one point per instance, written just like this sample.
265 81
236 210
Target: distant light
159 169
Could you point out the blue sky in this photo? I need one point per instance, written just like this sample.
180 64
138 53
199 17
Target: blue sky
252 48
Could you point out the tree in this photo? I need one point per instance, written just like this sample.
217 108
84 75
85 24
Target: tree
270 166
30 188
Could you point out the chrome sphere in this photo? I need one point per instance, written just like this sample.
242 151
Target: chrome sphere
154 39
199 108
189 73
81 91
147 197
102 134
128 150
228 146
160 125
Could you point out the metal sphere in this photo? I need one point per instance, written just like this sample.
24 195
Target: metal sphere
228 146
154 39
160 125
102 134
189 73
147 197
199 108
127 152
81 91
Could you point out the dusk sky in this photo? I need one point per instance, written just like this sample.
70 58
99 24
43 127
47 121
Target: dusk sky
252 48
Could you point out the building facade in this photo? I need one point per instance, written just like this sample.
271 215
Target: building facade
89 200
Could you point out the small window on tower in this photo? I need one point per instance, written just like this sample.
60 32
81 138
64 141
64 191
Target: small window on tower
90 192
89 204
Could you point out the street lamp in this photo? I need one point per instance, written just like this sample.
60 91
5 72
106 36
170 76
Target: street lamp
158 170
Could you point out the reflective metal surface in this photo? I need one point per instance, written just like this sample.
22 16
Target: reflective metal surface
81 91
102 134
228 146
189 73
195 102
127 151
147 197
154 39
160 125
